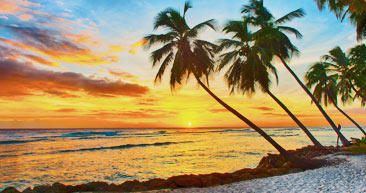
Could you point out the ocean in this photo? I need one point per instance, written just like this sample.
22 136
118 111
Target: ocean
30 157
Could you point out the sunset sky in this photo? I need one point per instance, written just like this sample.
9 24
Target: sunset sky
81 64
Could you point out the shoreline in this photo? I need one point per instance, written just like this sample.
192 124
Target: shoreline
348 175
270 165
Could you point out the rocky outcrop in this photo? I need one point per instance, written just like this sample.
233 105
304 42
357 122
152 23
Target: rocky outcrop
10 190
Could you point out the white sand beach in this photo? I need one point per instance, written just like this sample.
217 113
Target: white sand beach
349 175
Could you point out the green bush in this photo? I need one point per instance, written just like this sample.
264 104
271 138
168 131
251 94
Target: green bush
363 141
358 148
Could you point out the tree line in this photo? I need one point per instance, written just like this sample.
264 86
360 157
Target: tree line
256 40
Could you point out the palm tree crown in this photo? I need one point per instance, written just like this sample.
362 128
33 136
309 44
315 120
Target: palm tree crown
324 76
355 9
357 56
350 72
250 66
182 50
250 63
272 35
325 85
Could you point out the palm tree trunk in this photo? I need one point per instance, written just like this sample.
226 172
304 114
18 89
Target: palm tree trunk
356 91
344 113
344 141
349 118
297 121
247 121
296 161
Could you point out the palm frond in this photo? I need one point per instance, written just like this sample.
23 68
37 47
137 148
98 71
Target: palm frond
290 16
239 29
153 39
291 30
163 66
187 5
226 58
195 30
161 52
228 43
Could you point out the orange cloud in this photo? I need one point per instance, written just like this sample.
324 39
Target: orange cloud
218 110
41 60
136 45
84 39
56 46
138 114
263 108
8 8
116 48
124 75
148 102
139 43
25 17
66 110
19 8
19 79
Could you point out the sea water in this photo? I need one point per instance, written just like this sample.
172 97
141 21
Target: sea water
32 157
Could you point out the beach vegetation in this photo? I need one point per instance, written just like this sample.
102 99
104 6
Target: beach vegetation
359 147
354 9
250 65
334 76
189 56
272 35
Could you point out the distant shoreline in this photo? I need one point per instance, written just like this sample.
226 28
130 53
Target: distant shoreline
166 128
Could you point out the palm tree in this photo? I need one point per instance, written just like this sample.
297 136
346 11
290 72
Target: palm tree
357 57
191 56
356 9
272 35
325 87
349 73
250 65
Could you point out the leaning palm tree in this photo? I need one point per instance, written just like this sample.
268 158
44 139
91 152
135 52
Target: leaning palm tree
350 78
325 87
357 57
272 35
356 9
191 56
250 66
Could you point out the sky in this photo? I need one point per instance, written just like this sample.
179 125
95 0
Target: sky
82 64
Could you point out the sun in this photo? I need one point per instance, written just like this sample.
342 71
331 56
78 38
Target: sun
189 124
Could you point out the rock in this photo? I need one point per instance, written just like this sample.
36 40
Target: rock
225 178
70 188
246 176
10 190
271 161
276 171
287 165
29 190
210 180
95 186
57 188
158 183
128 186
186 181
139 187
245 170
295 170
42 188
355 140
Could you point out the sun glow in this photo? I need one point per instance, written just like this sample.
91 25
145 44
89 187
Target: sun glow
189 124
